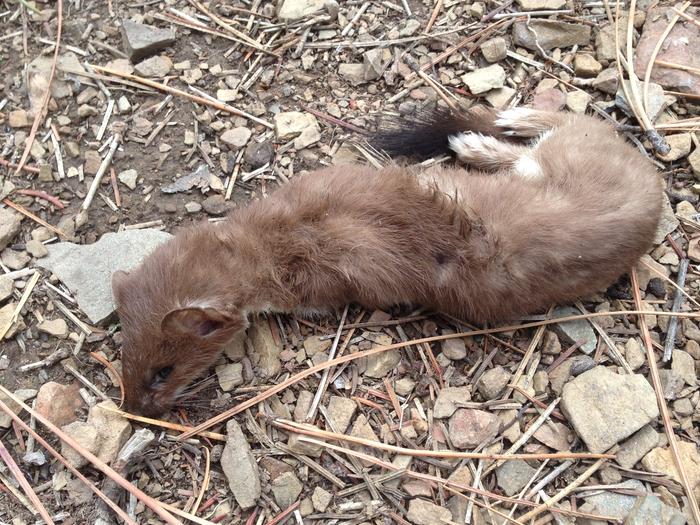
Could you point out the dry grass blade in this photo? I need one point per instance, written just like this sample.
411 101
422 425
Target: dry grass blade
151 503
26 487
682 67
33 217
107 364
663 408
18 421
306 430
351 357
174 91
39 117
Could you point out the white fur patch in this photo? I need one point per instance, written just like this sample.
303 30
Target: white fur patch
527 167
475 146
521 122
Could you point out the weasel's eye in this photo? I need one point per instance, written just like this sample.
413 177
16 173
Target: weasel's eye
161 375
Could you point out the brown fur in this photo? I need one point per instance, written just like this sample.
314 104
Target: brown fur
484 246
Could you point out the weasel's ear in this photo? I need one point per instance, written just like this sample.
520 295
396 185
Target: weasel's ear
118 279
201 322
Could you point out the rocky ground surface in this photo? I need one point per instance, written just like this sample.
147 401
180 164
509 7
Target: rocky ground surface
241 96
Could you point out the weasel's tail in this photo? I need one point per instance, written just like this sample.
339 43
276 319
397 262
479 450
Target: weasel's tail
426 133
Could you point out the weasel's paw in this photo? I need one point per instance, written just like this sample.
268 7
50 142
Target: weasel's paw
483 151
526 122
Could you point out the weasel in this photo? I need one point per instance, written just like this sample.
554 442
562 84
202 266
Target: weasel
557 216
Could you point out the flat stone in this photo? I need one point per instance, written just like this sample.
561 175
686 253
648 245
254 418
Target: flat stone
577 101
448 400
10 223
551 99
321 498
683 365
634 354
668 222
492 382
341 410
267 349
680 47
658 100
59 403
607 81
230 376
129 178
141 41
499 98
586 65
302 127
422 512
555 435
87 269
6 287
660 460
7 320
469 428
24 395
694 161
14 259
550 34
650 509
240 467
513 475
453 348
286 489
36 249
379 365
18 119
572 332
236 138
215 205
362 429
104 433
494 49
258 154
199 178
608 503
605 408
680 147
485 79
296 9
55 327
156 67
537 5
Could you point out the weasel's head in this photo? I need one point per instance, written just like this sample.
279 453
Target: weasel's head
170 336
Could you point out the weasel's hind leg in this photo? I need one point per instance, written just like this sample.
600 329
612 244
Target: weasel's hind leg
526 122
485 152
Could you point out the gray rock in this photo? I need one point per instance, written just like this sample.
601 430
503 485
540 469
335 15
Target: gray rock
237 137
453 348
550 34
683 365
536 5
36 249
14 259
266 348
6 287
485 79
512 476
573 331
302 127
259 153
469 428
104 433
24 394
10 223
668 222
492 382
605 408
141 41
286 489
353 73
87 269
156 67
321 498
607 81
199 178
637 446
129 178
422 512
239 466
448 400
296 9
379 365
341 411
494 49
613 504
658 100
230 376
650 510
215 205
55 327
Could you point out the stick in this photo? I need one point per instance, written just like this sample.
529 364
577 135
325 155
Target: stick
677 302
101 171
